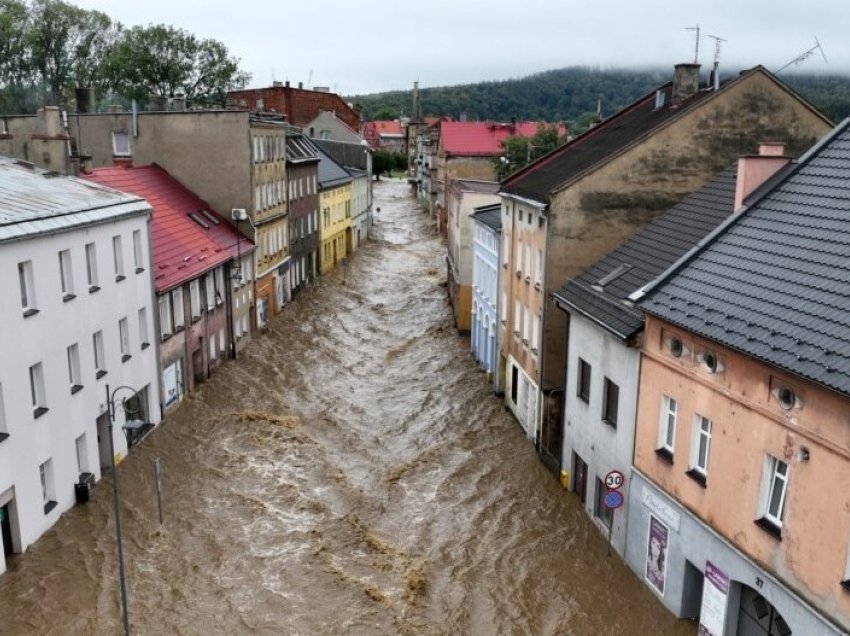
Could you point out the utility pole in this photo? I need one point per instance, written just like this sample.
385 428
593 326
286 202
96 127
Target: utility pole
696 46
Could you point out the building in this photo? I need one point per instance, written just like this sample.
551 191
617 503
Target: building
390 136
361 213
302 172
742 452
202 271
334 212
486 243
326 126
462 197
78 256
605 334
423 163
299 105
584 198
244 168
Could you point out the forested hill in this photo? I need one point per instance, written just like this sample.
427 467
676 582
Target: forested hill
566 94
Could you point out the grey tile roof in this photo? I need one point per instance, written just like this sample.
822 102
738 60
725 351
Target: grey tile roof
774 283
647 255
35 201
489 215
331 174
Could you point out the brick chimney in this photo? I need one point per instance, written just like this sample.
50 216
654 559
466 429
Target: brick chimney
685 81
754 170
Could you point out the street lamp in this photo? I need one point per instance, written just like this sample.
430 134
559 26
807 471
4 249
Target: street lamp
110 405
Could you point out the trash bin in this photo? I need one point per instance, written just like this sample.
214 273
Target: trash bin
83 488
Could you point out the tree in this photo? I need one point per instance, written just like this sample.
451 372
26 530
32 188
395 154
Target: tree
521 151
382 163
386 114
165 61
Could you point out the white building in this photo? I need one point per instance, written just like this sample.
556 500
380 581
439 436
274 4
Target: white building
603 350
361 216
487 221
79 316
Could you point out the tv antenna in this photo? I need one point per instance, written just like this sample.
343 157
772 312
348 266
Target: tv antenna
696 46
717 41
804 56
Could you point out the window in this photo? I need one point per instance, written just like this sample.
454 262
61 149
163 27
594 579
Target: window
526 324
610 403
82 454
25 277
583 385
221 340
195 299
219 285
74 376
535 327
504 307
99 358
118 256
143 328
138 256
4 432
48 493
538 273
528 262
91 267
774 487
39 397
124 336
667 427
165 325
213 350
517 316
120 143
179 316
66 275
600 510
700 446
209 283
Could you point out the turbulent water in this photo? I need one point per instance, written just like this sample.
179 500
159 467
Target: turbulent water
350 473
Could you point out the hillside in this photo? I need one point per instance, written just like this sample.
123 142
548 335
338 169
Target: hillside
565 94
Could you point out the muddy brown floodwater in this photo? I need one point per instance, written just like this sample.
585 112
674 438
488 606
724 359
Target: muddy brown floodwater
350 473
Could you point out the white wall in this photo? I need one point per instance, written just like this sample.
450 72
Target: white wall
44 337
601 446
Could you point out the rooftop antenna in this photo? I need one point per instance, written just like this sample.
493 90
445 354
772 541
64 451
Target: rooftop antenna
696 46
805 55
714 74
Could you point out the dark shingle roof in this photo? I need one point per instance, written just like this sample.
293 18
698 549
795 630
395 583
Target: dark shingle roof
331 174
489 215
775 282
648 254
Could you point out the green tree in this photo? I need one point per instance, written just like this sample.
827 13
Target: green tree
382 163
386 114
163 60
521 151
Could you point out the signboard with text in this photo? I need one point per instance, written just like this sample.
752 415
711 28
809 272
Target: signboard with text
715 592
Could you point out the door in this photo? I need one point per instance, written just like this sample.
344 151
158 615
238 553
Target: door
6 530
757 617
580 479
104 452
198 371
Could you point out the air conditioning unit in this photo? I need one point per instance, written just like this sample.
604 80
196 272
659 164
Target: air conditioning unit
239 214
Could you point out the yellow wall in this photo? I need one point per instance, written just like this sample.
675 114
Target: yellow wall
335 218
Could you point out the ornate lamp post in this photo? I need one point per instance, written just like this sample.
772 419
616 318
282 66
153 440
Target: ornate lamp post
111 406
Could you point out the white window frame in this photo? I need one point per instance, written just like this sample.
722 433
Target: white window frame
48 490
194 299
176 307
143 327
219 285
3 426
517 316
666 425
118 257
166 326
138 254
124 339
121 143
772 476
27 283
209 285
66 274
99 354
91 267
37 389
701 433
82 454
74 374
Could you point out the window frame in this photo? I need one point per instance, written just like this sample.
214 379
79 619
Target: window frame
118 149
75 379
99 354
124 338
26 279
143 327
609 387
774 476
118 257
584 377
66 275
38 391
138 253
667 426
700 435
91 267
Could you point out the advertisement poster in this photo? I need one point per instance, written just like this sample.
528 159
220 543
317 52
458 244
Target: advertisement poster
656 554
169 382
712 615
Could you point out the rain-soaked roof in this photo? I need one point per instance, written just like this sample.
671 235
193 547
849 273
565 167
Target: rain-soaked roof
35 201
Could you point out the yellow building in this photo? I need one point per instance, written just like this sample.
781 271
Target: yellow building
335 212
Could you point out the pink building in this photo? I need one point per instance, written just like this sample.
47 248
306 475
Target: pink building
739 508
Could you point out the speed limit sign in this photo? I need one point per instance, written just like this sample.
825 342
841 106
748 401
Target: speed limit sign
614 479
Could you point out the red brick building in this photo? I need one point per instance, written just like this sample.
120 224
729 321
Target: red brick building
300 105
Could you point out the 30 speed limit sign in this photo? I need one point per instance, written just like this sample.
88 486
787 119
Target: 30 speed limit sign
614 479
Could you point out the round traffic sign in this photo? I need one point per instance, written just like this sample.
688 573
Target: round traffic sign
613 499
614 479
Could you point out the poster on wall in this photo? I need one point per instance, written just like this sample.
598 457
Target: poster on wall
712 614
656 554
171 384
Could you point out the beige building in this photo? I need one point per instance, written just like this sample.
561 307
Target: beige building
463 196
588 196
231 159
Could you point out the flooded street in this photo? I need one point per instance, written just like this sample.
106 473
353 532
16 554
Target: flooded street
350 473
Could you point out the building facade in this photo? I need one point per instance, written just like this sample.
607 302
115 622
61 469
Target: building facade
84 324
486 237
303 191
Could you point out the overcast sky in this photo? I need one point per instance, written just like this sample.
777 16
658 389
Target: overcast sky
368 46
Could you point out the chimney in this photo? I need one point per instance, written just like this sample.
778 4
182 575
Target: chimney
754 170
685 82
277 84
417 108
157 102
300 85
286 84
85 99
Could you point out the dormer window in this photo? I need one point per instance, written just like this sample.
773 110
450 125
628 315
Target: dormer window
676 347
120 143
710 362
786 398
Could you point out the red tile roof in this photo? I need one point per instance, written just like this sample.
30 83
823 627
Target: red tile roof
388 127
483 139
182 249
